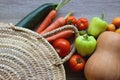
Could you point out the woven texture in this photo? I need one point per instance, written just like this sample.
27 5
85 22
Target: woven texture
25 55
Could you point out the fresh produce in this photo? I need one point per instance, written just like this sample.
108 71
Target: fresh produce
82 32
82 23
116 21
117 30
85 44
59 22
47 21
63 34
97 26
35 17
62 46
76 63
56 24
52 14
71 20
111 27
104 64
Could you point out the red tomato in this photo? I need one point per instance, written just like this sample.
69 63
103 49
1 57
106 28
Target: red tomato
82 23
77 63
62 46
71 20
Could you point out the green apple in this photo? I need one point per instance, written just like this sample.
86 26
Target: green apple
85 44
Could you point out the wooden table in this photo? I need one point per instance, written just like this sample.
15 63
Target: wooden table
12 11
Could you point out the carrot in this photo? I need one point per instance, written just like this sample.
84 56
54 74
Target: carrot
58 23
47 21
63 34
51 16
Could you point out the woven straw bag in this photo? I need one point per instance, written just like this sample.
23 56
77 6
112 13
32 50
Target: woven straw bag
26 55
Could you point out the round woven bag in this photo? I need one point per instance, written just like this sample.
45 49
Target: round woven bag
26 55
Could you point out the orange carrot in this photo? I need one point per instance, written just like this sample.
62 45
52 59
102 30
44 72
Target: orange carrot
59 22
47 21
63 34
56 24
51 16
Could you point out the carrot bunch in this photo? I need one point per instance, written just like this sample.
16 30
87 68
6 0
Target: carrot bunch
56 24
47 24
61 21
47 21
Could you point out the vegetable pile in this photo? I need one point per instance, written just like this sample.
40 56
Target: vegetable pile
98 40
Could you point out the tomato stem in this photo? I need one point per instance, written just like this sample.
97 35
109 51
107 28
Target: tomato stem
102 16
79 60
70 22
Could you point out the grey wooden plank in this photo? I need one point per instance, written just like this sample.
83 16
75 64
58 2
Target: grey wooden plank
14 10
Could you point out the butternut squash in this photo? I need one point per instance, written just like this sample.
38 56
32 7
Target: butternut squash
104 64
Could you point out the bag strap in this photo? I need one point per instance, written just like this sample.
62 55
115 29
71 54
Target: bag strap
66 27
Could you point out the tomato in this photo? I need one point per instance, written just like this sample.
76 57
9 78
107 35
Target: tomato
77 63
82 23
71 20
62 46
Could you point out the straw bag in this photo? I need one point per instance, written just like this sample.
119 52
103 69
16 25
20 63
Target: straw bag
26 55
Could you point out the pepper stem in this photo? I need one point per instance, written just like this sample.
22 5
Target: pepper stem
102 16
85 36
